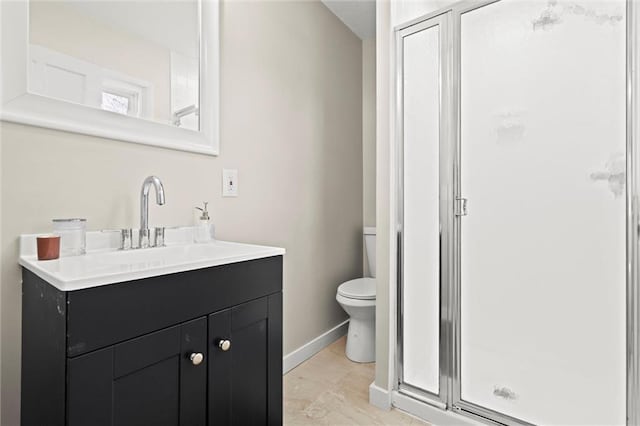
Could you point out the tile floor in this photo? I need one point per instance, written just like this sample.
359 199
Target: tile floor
328 389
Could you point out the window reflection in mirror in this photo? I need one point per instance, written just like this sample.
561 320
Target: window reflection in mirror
138 58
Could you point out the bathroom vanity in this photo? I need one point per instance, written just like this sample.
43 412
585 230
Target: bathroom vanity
185 335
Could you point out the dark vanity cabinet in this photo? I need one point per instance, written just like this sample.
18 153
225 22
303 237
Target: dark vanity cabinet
201 347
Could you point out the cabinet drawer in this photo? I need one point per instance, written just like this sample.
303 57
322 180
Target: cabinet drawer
103 316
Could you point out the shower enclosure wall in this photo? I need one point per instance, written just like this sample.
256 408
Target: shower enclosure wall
517 291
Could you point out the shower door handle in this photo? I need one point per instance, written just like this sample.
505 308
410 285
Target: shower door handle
461 207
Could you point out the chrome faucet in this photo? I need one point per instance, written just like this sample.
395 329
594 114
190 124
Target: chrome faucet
144 206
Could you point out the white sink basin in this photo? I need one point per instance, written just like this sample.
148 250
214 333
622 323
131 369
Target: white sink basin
108 267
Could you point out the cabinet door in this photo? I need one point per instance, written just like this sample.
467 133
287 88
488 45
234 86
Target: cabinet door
150 380
245 364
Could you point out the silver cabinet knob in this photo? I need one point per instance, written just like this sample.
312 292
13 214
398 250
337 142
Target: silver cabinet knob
224 344
196 358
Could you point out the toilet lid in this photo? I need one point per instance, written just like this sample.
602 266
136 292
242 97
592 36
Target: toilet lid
360 288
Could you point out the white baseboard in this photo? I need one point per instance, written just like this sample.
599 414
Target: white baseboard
379 397
309 349
429 413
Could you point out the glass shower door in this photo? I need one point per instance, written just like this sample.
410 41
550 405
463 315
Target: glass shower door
542 254
421 47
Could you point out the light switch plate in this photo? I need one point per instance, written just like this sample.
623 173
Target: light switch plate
229 182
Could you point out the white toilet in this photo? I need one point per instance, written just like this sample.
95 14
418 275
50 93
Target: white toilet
358 299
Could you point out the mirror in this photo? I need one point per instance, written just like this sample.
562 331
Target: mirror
135 58
141 71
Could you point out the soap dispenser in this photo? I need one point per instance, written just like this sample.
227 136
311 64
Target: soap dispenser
204 228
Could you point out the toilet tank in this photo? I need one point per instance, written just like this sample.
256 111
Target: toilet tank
370 247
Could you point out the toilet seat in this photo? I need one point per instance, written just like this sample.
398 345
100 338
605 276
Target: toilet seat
360 289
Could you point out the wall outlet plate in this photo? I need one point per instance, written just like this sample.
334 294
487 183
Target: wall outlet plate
229 182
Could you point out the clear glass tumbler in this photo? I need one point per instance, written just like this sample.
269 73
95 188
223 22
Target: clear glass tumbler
72 232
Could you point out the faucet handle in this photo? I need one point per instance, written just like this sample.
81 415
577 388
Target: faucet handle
126 238
159 240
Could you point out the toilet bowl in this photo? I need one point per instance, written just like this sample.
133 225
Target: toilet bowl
358 299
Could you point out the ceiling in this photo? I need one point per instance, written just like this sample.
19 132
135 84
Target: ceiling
358 15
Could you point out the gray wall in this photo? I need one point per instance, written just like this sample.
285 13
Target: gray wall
291 124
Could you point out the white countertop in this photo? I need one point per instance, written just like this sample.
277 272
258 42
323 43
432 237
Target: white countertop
108 266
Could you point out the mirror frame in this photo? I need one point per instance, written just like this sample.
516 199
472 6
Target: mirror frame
20 106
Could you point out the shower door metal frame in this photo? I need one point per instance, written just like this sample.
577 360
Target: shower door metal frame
442 20
449 396
633 215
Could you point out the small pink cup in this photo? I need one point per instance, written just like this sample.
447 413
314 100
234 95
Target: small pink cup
48 247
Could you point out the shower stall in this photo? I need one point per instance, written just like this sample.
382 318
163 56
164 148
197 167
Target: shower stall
517 211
